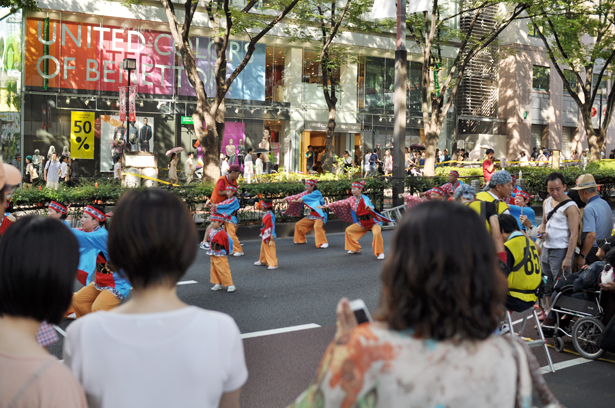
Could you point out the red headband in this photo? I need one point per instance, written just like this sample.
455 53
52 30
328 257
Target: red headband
524 195
311 182
58 207
231 188
454 173
437 190
217 217
265 204
359 184
94 213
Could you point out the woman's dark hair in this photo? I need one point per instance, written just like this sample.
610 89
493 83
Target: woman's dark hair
250 150
508 223
152 238
441 279
172 156
556 176
38 287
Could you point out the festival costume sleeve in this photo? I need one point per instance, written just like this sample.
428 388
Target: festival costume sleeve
221 237
343 210
294 209
90 245
268 229
313 200
411 201
362 210
228 207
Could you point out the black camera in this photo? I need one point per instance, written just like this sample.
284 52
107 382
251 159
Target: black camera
246 199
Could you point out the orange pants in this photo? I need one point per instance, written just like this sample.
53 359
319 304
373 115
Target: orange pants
268 253
89 299
220 271
306 225
231 230
356 231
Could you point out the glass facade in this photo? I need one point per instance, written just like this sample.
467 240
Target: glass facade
73 65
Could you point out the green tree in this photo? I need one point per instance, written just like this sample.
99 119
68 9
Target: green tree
16 5
579 37
431 30
226 20
319 22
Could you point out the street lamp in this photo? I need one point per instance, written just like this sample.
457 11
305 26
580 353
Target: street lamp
129 64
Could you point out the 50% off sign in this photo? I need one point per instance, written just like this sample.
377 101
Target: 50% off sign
82 135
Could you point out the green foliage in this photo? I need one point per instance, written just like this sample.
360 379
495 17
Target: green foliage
16 5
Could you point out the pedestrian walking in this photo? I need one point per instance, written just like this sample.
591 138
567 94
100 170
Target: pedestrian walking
52 172
220 248
366 164
35 291
268 256
315 220
224 165
248 167
358 210
309 158
173 168
388 162
30 174
189 168
155 350
117 169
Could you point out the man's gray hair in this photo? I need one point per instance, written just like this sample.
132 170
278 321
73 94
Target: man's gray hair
500 177
465 191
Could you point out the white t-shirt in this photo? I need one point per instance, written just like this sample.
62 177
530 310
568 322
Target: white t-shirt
116 170
63 169
184 358
187 167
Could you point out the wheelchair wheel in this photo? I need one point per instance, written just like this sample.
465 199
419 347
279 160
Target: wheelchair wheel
558 344
585 337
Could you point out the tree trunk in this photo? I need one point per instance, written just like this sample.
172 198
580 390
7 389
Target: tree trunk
594 140
431 142
328 164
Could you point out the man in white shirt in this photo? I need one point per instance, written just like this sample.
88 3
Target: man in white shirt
52 172
63 168
189 168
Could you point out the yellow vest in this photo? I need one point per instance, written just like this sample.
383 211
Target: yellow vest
526 272
476 205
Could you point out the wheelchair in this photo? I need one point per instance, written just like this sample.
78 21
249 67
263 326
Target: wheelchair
583 321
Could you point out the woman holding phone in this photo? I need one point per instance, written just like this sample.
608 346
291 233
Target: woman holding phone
432 344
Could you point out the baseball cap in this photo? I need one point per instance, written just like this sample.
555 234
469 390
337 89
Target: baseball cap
234 167
585 181
9 175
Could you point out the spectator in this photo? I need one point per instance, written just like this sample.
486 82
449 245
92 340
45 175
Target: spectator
117 169
348 164
248 167
29 174
373 163
388 162
522 158
446 158
52 172
33 290
63 168
597 219
189 168
258 165
534 154
422 161
560 229
199 352
488 166
309 158
224 165
173 168
17 160
542 157
414 355
368 155
612 155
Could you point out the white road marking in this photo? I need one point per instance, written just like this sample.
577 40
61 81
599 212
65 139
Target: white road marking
190 282
278 331
565 364
59 330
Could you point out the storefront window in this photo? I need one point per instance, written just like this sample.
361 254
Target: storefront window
312 69
376 82
10 85
274 73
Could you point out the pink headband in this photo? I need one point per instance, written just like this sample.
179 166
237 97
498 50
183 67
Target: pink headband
94 213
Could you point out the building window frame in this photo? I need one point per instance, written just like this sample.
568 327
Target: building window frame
540 78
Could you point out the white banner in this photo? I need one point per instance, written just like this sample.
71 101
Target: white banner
418 6
384 9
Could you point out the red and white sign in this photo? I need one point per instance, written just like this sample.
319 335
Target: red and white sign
132 103
122 103
594 112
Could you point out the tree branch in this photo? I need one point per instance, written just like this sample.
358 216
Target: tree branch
249 6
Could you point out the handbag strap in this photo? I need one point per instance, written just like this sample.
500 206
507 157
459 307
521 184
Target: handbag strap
37 374
553 211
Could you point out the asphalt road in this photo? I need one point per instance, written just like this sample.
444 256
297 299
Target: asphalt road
305 291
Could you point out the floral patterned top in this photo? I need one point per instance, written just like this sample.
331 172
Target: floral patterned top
375 367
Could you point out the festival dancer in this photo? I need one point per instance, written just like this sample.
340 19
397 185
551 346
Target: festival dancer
315 220
104 288
433 194
57 211
359 211
453 182
525 215
229 208
516 190
221 246
268 254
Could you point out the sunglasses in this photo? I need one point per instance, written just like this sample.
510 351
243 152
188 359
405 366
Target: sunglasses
9 190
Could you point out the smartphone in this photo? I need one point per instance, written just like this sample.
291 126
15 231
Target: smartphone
360 311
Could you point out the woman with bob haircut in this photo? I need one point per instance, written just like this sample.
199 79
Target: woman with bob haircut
35 289
432 344
155 350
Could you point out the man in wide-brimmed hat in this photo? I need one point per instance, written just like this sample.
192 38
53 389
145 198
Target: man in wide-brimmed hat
597 219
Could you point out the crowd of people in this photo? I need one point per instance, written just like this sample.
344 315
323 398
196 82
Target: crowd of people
442 299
